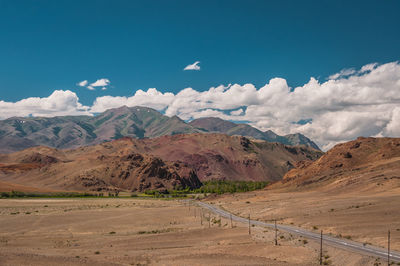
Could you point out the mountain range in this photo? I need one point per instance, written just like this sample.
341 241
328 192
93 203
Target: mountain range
130 164
65 132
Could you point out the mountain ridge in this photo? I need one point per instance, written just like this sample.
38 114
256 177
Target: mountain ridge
218 125
17 133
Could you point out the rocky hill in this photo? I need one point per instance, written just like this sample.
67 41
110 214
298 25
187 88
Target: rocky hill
166 162
68 132
89 169
367 163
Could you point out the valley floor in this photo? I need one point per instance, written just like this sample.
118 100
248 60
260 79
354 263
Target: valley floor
149 232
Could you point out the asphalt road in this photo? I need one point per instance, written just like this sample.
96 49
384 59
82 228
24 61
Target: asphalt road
327 240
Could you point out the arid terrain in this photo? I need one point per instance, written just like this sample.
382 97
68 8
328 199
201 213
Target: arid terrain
143 232
352 191
362 217
160 163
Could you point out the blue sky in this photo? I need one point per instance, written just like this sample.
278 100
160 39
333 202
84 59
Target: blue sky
48 45
332 64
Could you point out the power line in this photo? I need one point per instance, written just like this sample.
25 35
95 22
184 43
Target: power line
320 251
388 247
249 226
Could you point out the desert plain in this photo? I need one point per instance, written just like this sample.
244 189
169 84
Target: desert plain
135 231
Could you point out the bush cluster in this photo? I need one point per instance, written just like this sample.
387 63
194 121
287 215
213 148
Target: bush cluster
213 186
223 186
168 193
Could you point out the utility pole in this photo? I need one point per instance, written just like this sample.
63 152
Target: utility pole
231 222
249 225
388 247
201 216
320 251
209 220
276 235
220 221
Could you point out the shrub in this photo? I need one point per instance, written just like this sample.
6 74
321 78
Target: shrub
347 155
4 195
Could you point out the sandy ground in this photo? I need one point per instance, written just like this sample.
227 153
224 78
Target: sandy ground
363 217
143 232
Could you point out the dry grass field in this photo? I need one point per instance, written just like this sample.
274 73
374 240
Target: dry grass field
361 216
143 232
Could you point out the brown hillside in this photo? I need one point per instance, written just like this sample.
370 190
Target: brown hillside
367 163
219 156
160 163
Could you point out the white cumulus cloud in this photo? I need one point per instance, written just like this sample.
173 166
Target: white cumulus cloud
103 82
83 83
150 98
57 104
100 83
194 66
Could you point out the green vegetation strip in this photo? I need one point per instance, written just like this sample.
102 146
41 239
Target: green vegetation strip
208 187
19 194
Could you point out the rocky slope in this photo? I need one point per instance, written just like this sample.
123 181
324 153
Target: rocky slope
367 163
160 163
83 170
219 156
68 132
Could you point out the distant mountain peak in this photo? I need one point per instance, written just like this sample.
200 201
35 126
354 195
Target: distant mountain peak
212 124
